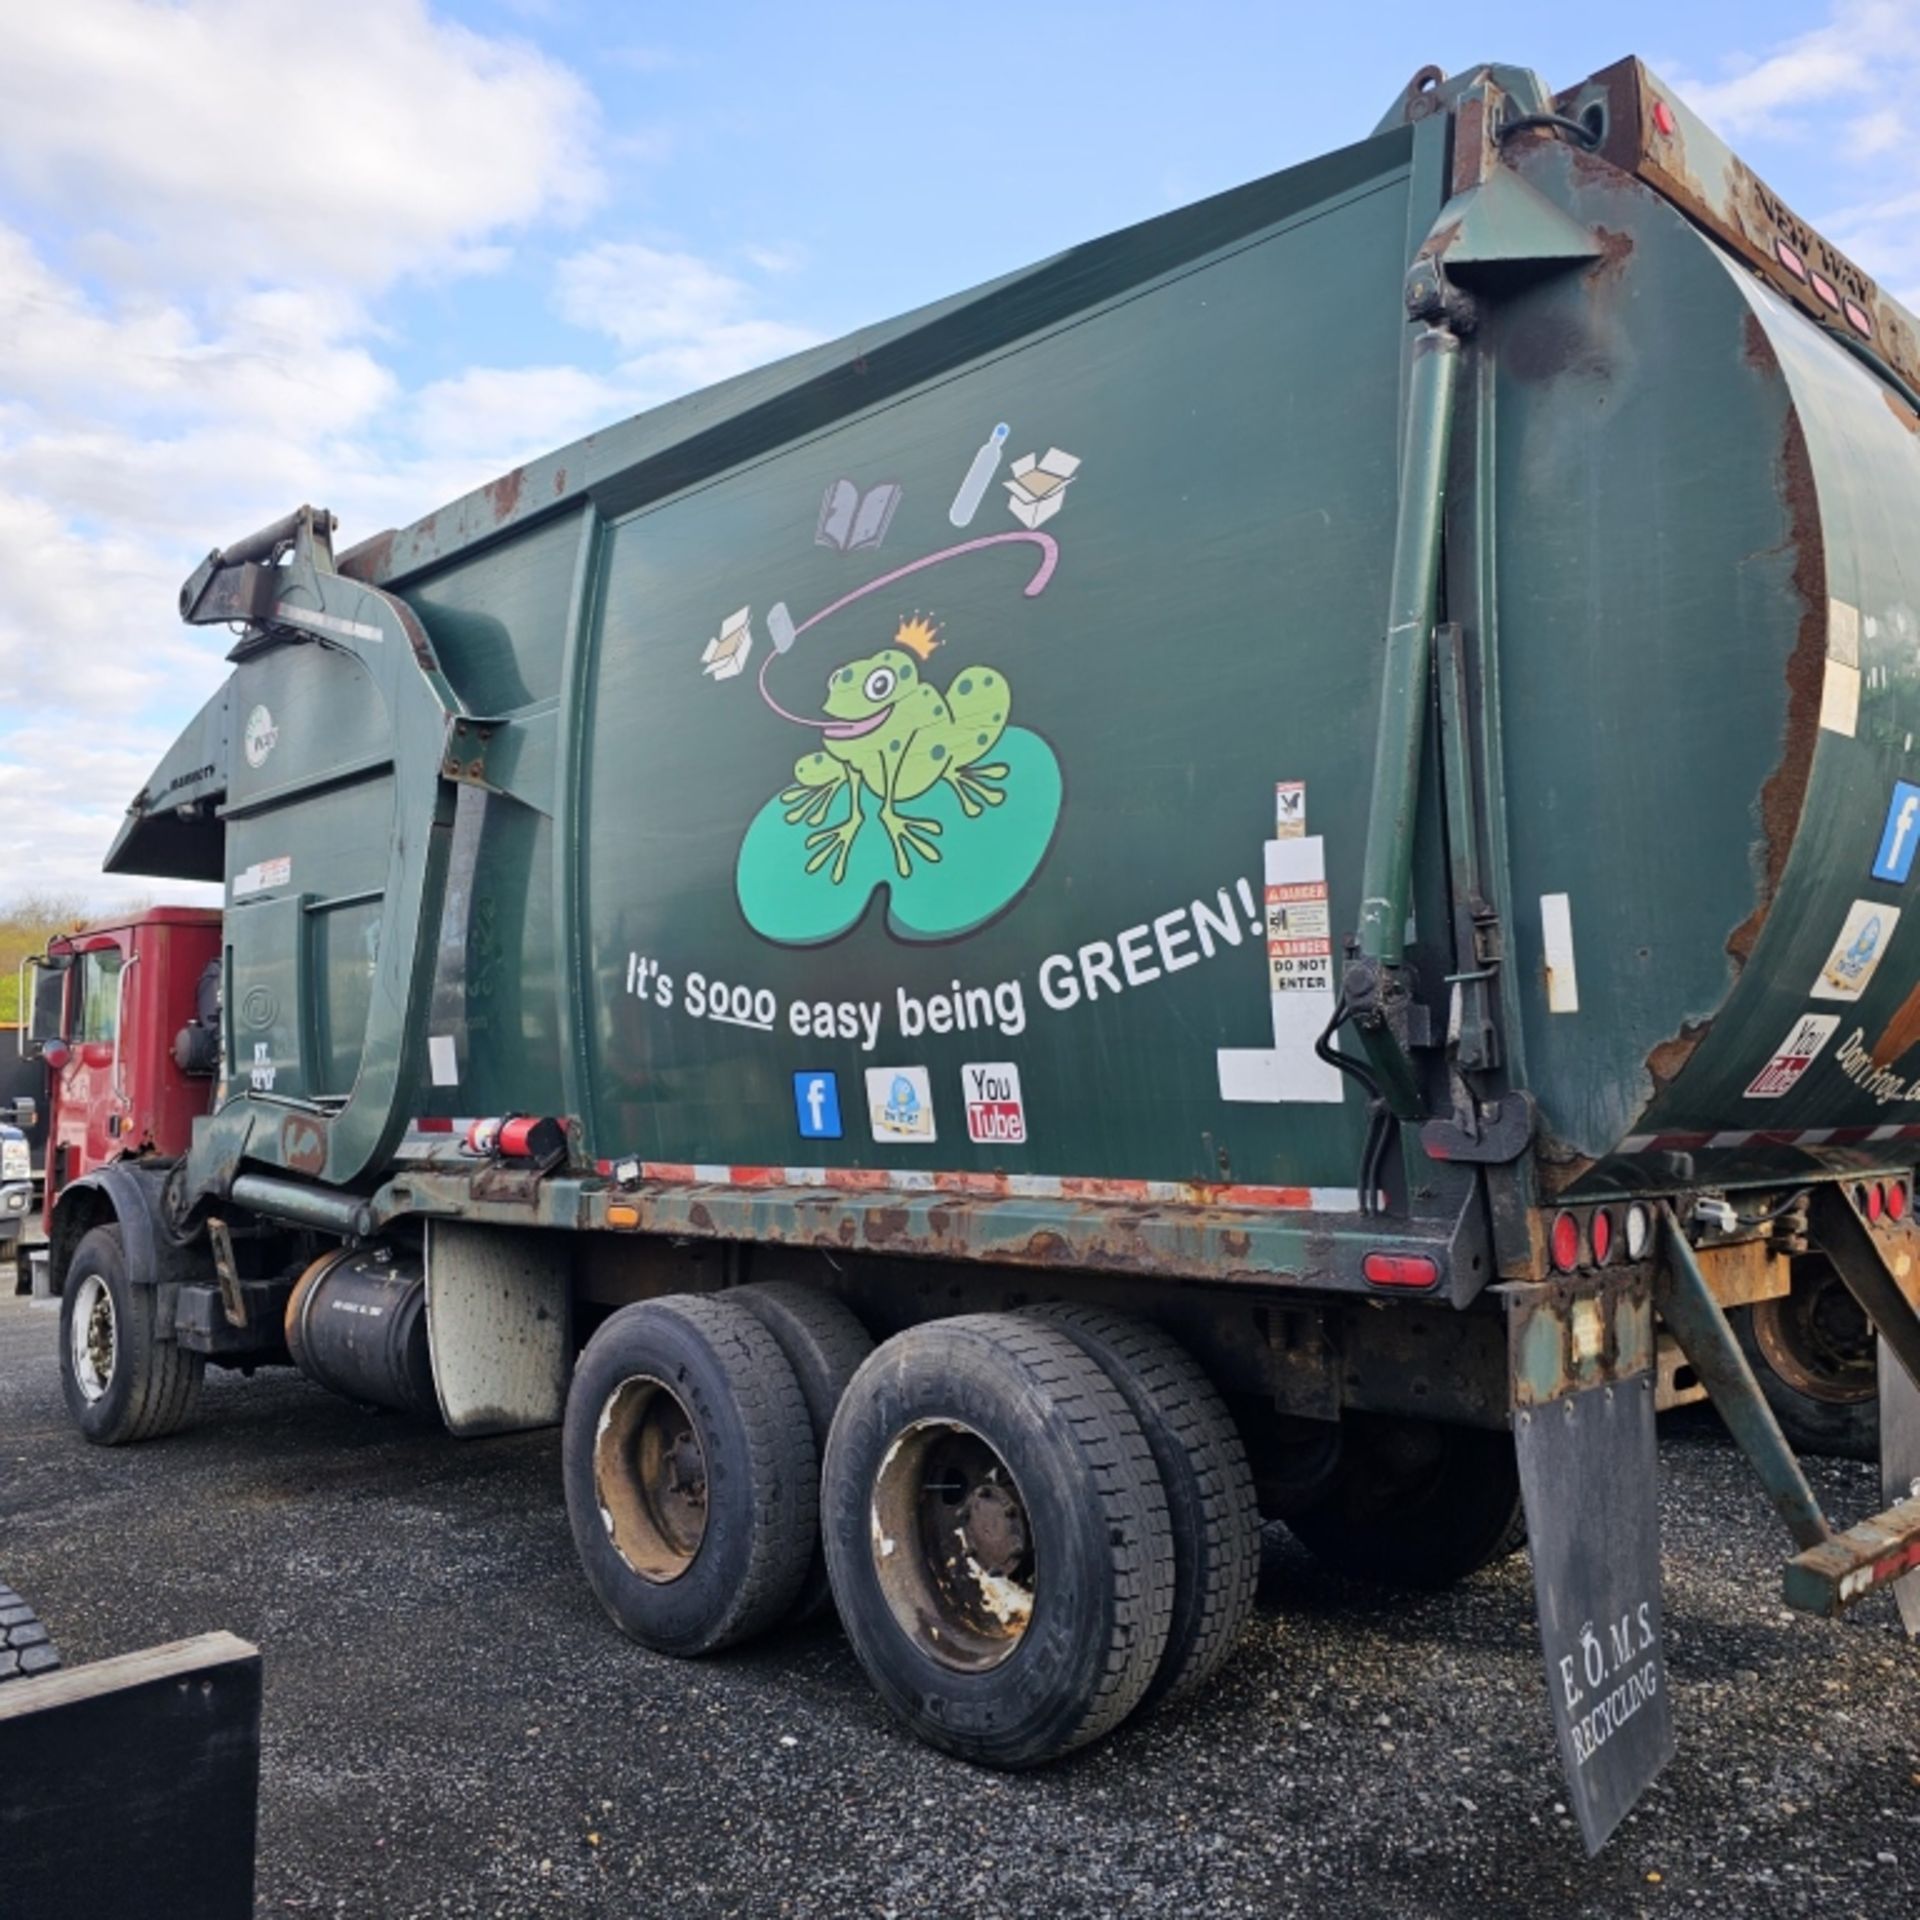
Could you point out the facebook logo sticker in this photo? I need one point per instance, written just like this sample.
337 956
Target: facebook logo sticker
816 1104
1901 835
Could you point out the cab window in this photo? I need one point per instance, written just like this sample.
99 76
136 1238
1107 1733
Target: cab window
100 994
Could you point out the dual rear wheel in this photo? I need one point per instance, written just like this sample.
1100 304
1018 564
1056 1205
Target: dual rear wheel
1032 1524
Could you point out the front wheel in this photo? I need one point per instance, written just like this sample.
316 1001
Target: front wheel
121 1383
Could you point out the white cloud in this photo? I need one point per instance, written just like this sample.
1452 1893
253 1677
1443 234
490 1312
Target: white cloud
683 321
225 195
257 138
1784 93
1849 89
497 417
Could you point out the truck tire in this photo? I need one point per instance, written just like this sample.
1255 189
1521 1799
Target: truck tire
824 1345
1812 1352
121 1383
1415 1503
692 1483
1211 1508
998 1540
25 1649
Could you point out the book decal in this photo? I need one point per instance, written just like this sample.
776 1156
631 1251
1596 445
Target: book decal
852 521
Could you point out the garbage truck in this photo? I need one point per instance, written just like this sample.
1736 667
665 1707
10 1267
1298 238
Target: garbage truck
1261 872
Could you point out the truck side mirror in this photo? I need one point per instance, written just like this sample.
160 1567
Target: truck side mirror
47 1017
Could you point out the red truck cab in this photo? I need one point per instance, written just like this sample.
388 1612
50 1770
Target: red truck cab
113 1009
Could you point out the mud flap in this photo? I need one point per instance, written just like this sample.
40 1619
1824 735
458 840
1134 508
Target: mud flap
1583 1386
498 1325
1900 1463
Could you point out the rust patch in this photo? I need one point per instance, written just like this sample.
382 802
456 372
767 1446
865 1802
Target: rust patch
503 495
559 479
1900 1032
371 560
1900 410
303 1144
700 1217
1046 1249
1616 248
887 1224
1785 789
1666 1060
1470 143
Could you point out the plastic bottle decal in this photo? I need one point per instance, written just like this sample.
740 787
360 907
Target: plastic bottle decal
986 463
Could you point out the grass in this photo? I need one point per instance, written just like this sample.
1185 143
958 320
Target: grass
26 924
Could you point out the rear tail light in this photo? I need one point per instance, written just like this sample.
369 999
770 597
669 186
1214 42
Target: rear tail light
1876 1202
1401 1270
1563 1242
1602 1237
1896 1199
1639 1232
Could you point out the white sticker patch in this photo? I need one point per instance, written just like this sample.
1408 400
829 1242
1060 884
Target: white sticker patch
1843 633
1556 937
996 1115
1299 985
900 1103
1289 809
262 875
1797 1052
260 1075
1840 698
326 622
260 737
1864 938
442 1061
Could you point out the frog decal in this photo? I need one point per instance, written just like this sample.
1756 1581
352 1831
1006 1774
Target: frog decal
917 783
894 732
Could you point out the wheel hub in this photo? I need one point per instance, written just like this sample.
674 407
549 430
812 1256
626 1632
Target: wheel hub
1818 1340
650 1478
953 1545
94 1337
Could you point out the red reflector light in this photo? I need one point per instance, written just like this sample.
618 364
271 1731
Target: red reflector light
1825 289
1563 1243
1876 1202
1858 319
1896 1199
1602 1237
1663 116
1401 1269
1789 257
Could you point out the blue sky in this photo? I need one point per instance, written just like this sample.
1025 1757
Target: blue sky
371 253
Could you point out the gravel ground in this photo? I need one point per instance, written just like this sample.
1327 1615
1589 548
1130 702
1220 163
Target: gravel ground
453 1728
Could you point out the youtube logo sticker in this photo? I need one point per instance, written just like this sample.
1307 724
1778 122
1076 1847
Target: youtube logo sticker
995 1116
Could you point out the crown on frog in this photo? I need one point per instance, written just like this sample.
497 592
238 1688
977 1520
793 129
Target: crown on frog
918 635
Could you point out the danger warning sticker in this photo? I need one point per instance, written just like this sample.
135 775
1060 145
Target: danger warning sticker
1796 1054
1299 937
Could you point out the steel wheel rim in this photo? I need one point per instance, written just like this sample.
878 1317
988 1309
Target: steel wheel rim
953 1546
93 1337
1819 1342
650 1478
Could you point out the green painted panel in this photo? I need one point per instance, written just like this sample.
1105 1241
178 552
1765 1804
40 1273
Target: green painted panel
498 619
1085 720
